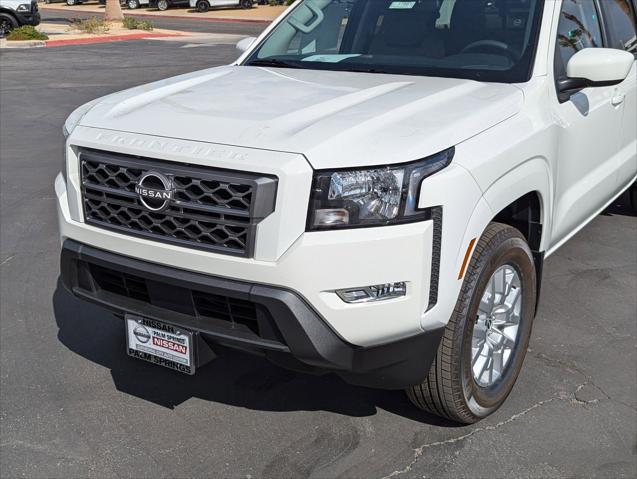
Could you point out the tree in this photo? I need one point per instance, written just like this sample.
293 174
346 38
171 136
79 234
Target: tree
113 10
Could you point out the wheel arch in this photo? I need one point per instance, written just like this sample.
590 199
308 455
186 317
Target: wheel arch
520 198
8 12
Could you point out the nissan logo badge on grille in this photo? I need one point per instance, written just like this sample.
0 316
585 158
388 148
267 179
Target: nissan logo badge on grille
155 191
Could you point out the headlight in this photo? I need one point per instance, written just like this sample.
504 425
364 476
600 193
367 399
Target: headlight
23 8
373 196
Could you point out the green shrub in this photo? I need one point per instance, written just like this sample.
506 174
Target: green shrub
145 25
134 24
90 25
26 32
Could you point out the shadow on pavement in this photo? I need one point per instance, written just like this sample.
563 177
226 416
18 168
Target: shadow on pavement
234 378
621 207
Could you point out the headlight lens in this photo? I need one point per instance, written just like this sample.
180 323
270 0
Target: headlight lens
371 197
23 8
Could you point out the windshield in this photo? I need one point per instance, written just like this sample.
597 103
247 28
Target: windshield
489 40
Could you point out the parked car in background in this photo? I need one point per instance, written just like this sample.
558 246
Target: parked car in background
166 4
134 4
205 5
16 13
72 3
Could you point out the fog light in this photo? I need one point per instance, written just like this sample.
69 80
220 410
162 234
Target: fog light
379 292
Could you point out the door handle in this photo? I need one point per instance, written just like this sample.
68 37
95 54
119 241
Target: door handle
618 100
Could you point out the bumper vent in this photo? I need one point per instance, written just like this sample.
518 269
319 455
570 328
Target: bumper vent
200 304
210 209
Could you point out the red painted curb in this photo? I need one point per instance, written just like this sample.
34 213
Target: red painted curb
172 17
105 39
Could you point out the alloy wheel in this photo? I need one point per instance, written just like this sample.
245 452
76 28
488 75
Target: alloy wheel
5 27
495 333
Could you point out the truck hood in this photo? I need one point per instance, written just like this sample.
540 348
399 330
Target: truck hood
335 119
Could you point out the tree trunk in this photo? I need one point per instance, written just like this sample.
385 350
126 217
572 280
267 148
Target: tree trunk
113 10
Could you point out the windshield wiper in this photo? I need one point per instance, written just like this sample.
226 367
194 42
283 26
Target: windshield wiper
366 70
272 62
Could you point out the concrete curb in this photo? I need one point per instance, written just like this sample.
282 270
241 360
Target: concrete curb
82 41
129 13
22 43
110 38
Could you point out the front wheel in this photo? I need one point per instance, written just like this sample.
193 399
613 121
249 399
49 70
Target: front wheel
246 3
71 3
7 23
203 6
485 342
132 4
163 5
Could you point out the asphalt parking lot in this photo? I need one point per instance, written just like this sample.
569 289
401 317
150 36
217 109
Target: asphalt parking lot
74 405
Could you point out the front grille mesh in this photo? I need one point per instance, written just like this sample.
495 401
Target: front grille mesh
211 210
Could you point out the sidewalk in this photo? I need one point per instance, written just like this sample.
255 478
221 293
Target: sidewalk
61 35
257 14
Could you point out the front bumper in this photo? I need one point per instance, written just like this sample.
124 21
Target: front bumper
274 321
314 265
32 19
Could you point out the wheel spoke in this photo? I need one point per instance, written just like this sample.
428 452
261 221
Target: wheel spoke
498 364
485 364
516 297
485 305
507 340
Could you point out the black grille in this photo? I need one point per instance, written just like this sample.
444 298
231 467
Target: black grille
197 303
120 283
212 209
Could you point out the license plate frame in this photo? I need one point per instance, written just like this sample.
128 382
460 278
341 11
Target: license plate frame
160 343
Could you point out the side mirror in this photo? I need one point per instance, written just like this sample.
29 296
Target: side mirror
245 44
595 67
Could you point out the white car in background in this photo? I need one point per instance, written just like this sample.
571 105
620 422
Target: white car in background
370 190
205 5
134 4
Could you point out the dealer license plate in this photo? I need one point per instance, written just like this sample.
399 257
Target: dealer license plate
160 343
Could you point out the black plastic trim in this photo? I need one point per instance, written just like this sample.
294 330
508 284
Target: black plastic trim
306 342
436 249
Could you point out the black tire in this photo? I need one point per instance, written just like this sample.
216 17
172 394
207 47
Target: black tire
246 3
450 389
163 5
132 4
71 3
7 23
203 6
632 193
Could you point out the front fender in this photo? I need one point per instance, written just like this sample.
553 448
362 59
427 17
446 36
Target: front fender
456 191
530 176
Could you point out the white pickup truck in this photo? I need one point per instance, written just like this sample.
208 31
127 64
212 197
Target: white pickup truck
370 190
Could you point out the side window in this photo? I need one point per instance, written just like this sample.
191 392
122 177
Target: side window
579 28
620 17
